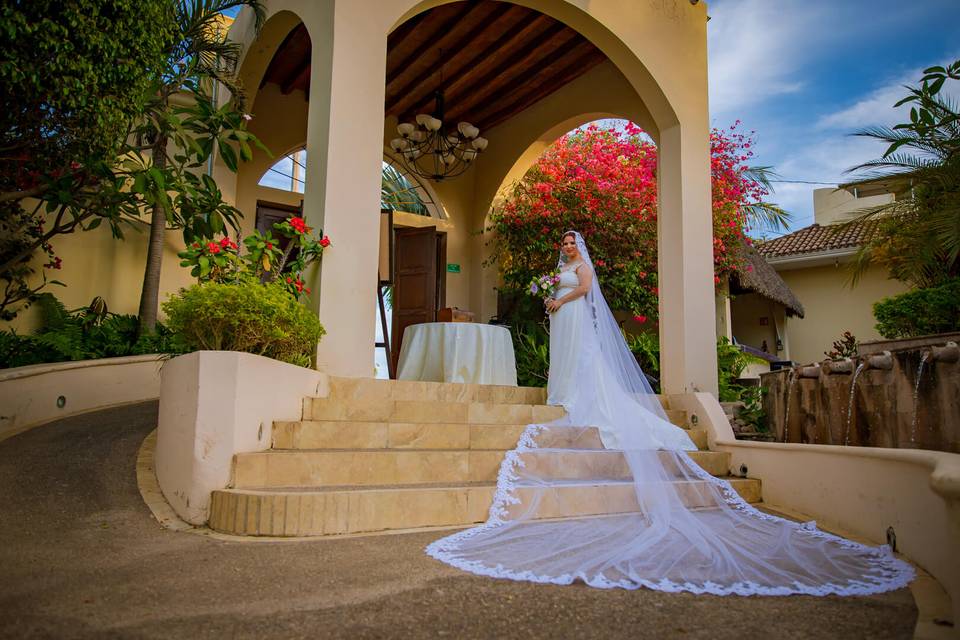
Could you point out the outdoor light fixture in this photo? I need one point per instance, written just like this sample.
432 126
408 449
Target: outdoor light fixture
431 150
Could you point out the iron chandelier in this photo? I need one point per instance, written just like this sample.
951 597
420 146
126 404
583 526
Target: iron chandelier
431 150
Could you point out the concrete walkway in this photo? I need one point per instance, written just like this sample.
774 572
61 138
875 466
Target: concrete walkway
80 556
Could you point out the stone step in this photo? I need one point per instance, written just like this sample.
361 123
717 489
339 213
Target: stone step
320 468
333 434
332 511
427 411
437 412
362 389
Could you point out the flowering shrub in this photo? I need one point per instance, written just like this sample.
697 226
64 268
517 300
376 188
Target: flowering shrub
846 347
222 262
603 183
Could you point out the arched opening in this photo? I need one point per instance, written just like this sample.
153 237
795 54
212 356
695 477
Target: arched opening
515 70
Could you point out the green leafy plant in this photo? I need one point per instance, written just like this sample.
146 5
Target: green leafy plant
731 361
249 316
264 260
920 312
81 334
74 80
646 348
532 347
752 412
917 235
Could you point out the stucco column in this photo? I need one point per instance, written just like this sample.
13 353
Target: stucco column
688 333
344 156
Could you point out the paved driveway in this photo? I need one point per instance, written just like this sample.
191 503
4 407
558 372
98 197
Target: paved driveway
80 556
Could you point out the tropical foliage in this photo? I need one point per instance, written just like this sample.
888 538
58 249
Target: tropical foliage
267 258
250 316
397 193
918 235
157 138
603 182
200 55
63 125
81 334
922 312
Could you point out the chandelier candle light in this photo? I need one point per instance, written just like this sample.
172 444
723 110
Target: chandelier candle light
429 150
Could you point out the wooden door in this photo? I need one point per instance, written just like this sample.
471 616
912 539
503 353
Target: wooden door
415 286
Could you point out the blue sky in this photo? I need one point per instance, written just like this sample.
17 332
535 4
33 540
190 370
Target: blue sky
805 73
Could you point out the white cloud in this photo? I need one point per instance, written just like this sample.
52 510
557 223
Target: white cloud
873 109
876 108
756 48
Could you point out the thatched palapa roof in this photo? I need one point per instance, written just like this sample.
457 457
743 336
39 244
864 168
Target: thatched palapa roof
764 280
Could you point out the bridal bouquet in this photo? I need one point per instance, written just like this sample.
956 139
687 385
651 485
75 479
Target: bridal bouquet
545 286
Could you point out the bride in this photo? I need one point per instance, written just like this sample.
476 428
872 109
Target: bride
609 496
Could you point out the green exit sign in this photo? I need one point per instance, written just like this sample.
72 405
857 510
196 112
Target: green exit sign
453 268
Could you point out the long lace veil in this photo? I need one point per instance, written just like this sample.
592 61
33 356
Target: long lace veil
609 495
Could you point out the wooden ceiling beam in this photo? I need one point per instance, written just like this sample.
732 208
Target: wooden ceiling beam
299 77
517 77
397 95
465 84
429 42
544 86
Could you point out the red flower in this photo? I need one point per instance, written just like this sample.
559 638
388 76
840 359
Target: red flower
640 319
225 242
298 224
325 241
213 247
269 246
289 279
307 290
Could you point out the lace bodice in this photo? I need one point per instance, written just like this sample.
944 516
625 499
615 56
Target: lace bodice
568 277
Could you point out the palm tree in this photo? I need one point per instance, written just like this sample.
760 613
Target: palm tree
765 215
199 54
397 192
918 234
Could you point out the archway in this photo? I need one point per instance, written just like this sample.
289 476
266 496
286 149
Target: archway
658 50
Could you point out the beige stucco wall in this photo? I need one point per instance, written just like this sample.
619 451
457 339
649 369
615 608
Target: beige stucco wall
28 395
831 307
832 205
746 311
97 264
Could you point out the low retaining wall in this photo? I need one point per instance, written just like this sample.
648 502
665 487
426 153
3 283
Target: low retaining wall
864 491
29 395
213 405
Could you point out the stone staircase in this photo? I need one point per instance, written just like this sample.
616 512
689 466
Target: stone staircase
379 455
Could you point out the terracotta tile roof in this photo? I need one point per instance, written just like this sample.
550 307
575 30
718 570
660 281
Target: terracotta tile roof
815 238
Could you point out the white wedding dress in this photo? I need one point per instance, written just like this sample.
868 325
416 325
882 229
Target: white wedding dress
581 381
609 496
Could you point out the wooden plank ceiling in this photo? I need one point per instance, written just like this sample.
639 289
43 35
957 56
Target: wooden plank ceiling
497 59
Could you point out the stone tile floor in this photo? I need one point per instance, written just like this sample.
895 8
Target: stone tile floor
81 557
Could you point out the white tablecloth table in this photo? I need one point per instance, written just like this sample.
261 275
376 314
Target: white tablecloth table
457 352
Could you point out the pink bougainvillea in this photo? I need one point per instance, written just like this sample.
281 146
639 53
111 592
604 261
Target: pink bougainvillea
603 183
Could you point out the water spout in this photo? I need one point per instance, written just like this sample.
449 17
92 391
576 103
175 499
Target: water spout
791 380
853 387
949 352
916 395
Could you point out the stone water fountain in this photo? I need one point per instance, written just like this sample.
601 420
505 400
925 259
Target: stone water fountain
906 398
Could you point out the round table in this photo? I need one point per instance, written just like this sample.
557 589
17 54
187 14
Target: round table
457 352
